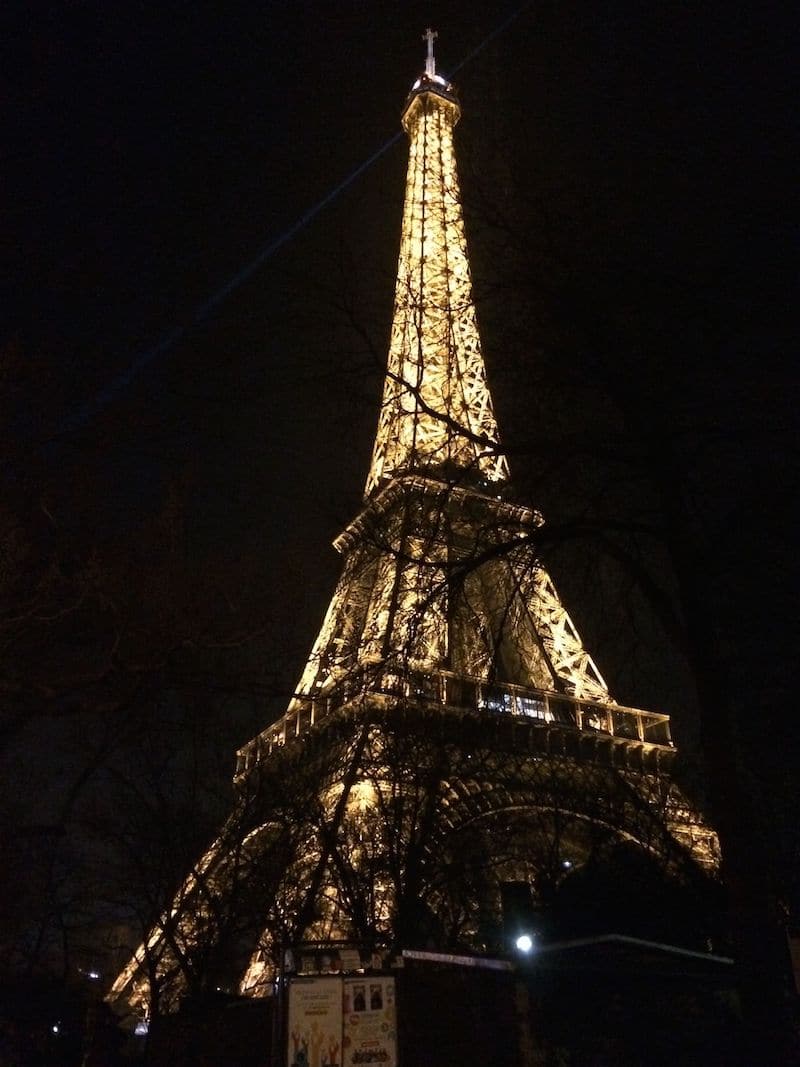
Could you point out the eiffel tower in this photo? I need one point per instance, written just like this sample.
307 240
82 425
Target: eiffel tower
450 732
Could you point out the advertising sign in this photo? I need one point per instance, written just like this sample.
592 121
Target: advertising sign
315 1023
370 1022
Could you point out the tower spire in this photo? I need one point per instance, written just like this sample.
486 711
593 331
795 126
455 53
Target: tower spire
437 414
430 63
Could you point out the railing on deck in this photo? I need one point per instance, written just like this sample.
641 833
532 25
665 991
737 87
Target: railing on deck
463 693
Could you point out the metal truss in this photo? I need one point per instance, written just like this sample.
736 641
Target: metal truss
450 730
436 411
328 834
441 577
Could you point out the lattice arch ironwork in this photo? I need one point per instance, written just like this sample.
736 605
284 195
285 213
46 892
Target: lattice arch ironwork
450 731
330 833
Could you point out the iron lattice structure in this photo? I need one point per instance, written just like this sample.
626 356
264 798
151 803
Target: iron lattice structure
437 410
450 732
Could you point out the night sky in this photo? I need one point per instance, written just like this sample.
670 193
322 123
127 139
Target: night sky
639 156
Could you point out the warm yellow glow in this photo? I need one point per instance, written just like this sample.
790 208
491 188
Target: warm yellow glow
571 662
362 796
138 993
392 602
436 411
258 976
442 606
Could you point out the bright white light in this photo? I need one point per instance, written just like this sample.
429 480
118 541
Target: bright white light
566 864
524 942
141 1028
94 975
55 1028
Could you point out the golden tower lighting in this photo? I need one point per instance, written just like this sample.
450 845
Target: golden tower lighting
447 677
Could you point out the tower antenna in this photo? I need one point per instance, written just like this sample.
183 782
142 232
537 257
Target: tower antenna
430 63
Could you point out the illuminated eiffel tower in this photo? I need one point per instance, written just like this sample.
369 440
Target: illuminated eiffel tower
450 732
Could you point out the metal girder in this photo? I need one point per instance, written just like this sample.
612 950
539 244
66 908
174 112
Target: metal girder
448 696
436 411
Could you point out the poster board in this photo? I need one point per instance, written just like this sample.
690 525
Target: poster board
314 1025
370 1021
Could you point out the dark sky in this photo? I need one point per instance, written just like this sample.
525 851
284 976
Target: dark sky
152 152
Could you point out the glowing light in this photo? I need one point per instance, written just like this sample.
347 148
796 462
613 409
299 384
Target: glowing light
436 410
437 415
362 796
397 630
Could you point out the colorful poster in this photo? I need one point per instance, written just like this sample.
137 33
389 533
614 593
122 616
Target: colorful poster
370 1022
315 1023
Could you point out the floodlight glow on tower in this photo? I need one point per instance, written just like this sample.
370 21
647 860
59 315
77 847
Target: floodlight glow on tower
448 691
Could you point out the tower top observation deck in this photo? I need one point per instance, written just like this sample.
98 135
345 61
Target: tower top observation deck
430 82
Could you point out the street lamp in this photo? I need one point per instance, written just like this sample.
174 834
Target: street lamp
524 943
